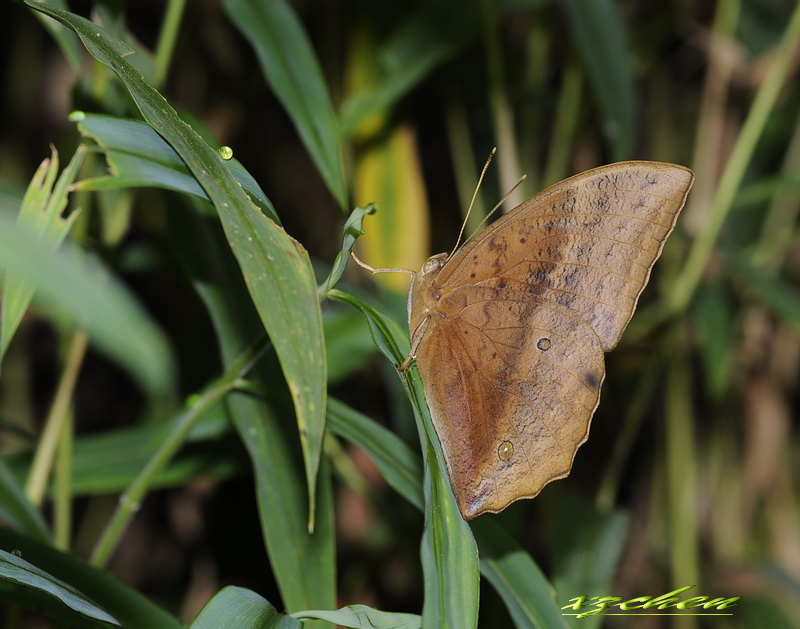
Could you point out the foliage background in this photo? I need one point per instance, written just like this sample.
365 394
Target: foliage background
691 471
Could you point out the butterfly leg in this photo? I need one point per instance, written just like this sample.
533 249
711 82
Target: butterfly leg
416 337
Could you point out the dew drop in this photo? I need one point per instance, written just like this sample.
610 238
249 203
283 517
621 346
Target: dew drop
544 344
225 152
505 450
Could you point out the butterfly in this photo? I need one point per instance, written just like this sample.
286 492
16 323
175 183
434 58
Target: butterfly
509 331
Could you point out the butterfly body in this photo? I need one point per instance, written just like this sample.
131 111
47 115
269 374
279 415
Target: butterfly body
509 332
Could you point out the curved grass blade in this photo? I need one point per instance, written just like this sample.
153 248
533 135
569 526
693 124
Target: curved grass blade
363 617
19 573
288 62
139 157
528 595
126 605
352 230
276 267
400 467
239 608
587 548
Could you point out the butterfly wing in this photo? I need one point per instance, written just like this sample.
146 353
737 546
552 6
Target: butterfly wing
510 382
516 323
587 243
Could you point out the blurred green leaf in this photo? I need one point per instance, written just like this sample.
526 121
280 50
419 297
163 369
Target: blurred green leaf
418 47
762 612
588 546
139 157
276 267
41 213
363 617
16 510
128 607
77 284
239 608
599 34
292 70
716 328
64 37
775 293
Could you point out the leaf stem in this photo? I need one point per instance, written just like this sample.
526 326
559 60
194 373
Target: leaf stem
57 417
167 39
176 432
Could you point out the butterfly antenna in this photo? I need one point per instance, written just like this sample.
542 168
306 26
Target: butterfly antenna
497 207
373 270
471 203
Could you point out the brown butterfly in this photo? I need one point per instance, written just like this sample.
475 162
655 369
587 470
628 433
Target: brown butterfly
509 331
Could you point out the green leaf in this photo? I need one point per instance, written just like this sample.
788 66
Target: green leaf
353 228
526 592
76 283
107 462
277 269
41 212
588 546
239 608
347 343
139 157
528 595
598 31
272 444
290 66
417 48
16 510
364 617
449 553
129 608
64 37
400 467
16 570
303 562
389 338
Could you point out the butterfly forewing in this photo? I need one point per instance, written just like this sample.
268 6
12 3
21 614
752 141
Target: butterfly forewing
588 242
510 331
